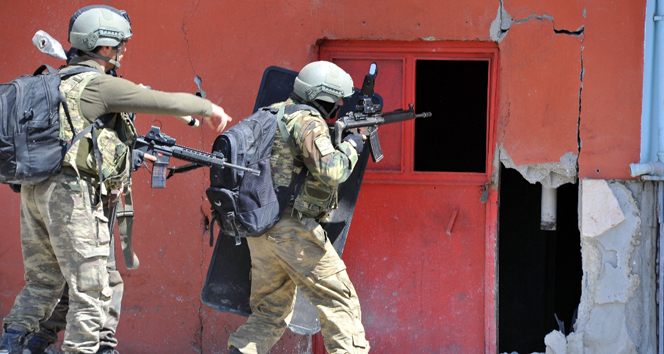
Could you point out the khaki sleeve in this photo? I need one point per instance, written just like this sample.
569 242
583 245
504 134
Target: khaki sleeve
108 94
329 165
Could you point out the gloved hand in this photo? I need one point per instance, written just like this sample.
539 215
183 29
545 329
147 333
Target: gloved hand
357 141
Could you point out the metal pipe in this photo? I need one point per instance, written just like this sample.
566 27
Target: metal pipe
658 77
548 208
652 119
648 168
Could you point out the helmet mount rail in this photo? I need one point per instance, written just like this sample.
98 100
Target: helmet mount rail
91 39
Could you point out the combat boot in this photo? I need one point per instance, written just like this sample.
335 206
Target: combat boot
12 342
36 345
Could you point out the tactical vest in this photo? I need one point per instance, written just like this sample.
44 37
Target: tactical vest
316 199
114 140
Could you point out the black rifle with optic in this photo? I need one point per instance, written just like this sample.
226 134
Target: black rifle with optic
163 147
368 115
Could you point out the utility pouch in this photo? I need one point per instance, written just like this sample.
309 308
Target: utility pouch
316 199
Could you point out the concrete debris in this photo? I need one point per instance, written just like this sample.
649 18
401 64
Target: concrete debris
609 279
550 175
575 343
555 343
599 208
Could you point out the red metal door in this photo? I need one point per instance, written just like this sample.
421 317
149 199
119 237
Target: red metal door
421 248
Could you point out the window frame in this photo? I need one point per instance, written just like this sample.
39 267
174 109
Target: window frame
410 53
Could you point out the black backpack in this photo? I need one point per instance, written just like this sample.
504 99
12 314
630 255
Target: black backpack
30 146
243 204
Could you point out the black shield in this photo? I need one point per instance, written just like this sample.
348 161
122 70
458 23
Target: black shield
228 284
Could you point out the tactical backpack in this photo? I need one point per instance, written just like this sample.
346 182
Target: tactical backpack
243 204
31 149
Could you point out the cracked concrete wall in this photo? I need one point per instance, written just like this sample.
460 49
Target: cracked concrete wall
541 83
572 122
550 175
618 233
560 92
594 103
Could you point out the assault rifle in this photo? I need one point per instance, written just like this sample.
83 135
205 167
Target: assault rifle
368 115
163 148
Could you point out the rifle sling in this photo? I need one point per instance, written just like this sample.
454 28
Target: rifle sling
125 217
181 169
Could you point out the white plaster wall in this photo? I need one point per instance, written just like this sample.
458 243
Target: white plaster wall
617 310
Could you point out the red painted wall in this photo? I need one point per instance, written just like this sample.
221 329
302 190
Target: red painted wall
229 44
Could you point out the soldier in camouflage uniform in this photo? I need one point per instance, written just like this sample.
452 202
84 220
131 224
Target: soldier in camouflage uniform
49 329
64 233
296 253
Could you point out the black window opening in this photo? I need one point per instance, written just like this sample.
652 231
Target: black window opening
454 138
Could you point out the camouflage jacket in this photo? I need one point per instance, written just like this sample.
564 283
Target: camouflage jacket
113 141
309 145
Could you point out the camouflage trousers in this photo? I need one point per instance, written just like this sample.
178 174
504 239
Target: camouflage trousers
295 254
65 240
58 321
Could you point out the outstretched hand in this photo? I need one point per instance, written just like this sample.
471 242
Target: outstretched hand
218 120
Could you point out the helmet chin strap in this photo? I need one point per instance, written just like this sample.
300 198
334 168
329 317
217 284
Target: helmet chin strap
115 62
324 111
321 109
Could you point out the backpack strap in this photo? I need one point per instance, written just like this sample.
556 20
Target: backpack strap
44 67
281 123
67 73
63 101
92 128
99 123
296 184
283 110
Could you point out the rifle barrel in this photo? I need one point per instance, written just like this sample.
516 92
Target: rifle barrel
402 115
205 159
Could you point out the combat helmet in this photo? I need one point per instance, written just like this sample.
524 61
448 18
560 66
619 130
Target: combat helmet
323 84
99 25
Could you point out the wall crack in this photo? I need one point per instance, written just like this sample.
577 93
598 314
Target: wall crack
194 5
577 33
504 21
578 122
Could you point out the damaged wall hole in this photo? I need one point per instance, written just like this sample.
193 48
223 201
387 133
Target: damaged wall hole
539 271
